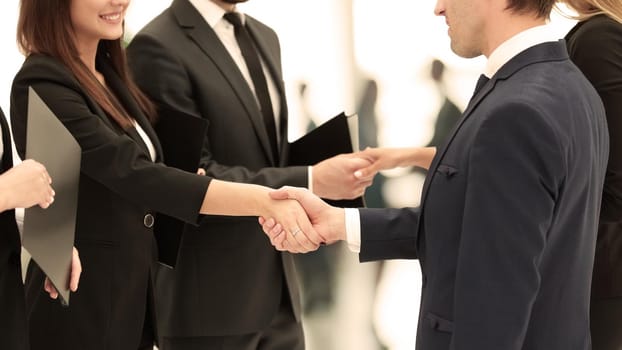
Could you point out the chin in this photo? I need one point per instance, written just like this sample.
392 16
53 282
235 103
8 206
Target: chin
112 36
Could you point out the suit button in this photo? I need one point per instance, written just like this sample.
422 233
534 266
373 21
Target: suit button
148 221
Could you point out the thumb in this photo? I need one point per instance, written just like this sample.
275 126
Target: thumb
76 271
366 173
281 193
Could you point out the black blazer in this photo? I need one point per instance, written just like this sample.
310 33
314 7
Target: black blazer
506 230
120 188
595 46
12 312
228 279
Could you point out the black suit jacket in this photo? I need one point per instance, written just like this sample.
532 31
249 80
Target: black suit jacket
12 312
120 188
228 279
595 46
506 230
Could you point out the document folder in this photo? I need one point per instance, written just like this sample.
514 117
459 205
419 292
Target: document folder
327 140
181 136
49 233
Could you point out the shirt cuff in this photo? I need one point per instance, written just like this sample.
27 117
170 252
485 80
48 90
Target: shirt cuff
310 177
353 229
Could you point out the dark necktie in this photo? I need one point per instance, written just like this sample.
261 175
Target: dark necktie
480 83
251 58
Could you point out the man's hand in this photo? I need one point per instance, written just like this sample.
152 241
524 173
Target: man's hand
334 178
297 235
328 222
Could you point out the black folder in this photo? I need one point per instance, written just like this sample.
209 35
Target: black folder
181 136
49 233
327 140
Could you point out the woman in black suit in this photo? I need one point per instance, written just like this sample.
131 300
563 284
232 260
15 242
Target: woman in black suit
595 46
76 63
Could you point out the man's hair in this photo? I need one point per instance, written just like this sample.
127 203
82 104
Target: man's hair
541 8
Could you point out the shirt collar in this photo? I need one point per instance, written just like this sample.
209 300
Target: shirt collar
211 12
517 44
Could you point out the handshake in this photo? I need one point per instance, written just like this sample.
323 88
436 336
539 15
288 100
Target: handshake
310 223
303 221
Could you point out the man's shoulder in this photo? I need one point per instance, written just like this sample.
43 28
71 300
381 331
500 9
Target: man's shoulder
259 25
159 25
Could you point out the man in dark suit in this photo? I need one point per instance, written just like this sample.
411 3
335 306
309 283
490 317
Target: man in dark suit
229 285
506 230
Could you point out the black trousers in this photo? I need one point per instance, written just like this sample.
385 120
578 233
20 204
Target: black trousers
283 333
606 324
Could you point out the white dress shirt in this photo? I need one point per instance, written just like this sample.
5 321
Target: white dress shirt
213 15
500 56
146 140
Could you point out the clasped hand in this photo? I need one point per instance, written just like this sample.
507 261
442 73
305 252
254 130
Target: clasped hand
325 223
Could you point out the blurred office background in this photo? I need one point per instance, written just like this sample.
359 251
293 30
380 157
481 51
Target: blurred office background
368 57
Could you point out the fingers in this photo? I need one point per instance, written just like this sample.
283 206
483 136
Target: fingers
273 230
76 271
305 240
302 238
48 198
49 288
201 172
367 173
47 176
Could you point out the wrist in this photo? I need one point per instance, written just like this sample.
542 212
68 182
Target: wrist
262 201
338 223
4 199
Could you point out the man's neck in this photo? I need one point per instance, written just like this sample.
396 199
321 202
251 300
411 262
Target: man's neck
506 26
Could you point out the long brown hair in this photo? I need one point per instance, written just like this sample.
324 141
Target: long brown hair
44 27
587 8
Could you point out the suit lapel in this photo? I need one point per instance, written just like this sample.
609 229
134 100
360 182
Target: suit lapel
540 53
484 91
206 39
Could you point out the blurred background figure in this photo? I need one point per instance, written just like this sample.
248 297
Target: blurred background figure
595 46
449 113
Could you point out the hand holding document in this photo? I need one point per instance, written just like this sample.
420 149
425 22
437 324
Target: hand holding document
184 155
49 233
337 136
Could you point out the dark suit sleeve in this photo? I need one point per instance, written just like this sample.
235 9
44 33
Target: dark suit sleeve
110 158
598 54
388 233
163 77
515 172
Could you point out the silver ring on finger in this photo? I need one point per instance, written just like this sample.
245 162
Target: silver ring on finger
295 232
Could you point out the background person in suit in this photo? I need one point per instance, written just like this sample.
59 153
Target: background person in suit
506 230
449 114
76 63
189 59
595 46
